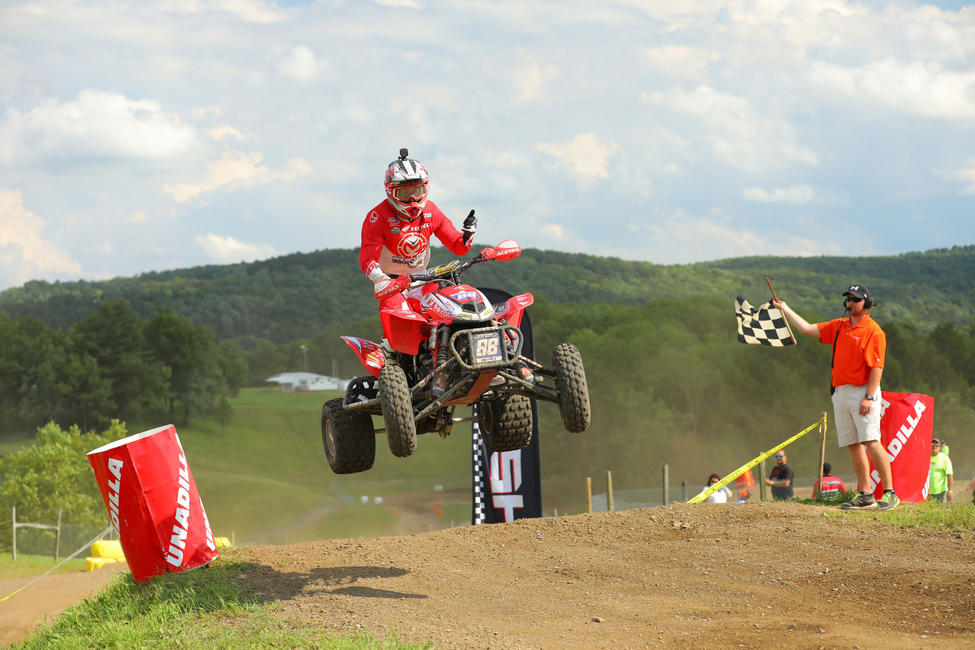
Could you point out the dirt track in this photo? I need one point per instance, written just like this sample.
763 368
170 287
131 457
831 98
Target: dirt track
676 576
45 599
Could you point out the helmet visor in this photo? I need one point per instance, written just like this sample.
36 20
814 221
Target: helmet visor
410 193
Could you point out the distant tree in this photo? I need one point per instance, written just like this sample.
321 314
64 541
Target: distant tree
53 473
113 335
225 412
189 353
232 361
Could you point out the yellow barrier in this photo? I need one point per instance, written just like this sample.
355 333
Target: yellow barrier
755 461
108 548
95 563
222 542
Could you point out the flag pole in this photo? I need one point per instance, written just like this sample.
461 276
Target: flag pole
775 297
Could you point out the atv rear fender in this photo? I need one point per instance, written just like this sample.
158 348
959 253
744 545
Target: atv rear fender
370 354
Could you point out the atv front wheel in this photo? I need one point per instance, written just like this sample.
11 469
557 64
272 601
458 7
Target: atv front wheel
348 438
394 395
570 381
506 424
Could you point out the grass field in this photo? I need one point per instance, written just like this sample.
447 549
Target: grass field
32 565
266 480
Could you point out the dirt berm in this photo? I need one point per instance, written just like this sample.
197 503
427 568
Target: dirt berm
755 575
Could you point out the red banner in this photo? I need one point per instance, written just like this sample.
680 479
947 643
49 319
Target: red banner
906 426
153 503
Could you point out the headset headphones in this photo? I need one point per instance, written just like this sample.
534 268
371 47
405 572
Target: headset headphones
863 290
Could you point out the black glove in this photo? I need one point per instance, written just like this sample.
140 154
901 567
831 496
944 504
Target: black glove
470 227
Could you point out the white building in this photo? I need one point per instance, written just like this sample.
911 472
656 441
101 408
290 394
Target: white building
302 381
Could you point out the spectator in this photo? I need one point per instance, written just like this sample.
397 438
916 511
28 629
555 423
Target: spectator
718 496
781 477
832 485
971 488
941 480
745 495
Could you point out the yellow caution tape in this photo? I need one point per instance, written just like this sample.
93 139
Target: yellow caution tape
70 557
755 461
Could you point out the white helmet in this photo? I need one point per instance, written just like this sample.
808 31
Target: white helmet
406 186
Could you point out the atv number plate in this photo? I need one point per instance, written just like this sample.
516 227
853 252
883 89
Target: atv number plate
487 347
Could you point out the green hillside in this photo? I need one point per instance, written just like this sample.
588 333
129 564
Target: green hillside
295 296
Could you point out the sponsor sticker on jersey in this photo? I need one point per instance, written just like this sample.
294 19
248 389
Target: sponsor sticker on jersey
373 216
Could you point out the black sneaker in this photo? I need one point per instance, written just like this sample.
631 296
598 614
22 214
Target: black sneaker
862 501
888 501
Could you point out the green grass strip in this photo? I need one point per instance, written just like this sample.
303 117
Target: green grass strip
204 608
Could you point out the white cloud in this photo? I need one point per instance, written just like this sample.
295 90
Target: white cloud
718 236
680 60
97 125
585 155
226 250
739 135
967 175
529 79
237 169
791 194
300 64
919 87
250 11
553 231
225 131
24 252
409 4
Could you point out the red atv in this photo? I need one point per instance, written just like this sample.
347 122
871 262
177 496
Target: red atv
451 347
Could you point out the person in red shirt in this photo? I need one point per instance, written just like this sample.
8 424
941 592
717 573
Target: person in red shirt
859 347
396 233
832 485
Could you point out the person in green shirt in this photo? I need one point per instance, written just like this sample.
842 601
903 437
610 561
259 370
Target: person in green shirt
941 480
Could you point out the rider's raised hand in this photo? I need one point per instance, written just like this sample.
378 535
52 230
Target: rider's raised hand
470 227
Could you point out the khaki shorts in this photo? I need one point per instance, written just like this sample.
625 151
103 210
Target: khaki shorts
851 427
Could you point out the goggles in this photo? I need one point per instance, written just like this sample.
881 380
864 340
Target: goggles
410 193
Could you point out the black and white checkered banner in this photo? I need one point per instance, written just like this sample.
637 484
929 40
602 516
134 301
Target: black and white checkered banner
763 326
507 485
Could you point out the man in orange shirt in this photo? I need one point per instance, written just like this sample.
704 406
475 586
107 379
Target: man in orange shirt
859 347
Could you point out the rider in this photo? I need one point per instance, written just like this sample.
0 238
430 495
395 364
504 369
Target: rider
396 233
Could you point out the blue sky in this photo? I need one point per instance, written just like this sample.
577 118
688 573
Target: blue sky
147 136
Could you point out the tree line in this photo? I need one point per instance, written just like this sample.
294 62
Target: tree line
113 364
295 296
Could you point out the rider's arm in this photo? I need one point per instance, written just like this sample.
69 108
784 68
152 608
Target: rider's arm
372 246
445 231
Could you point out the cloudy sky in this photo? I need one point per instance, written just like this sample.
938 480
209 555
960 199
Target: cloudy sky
139 136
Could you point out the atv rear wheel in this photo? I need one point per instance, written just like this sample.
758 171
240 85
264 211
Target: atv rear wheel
394 395
348 438
506 424
570 381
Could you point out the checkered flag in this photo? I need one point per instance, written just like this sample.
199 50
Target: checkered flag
765 325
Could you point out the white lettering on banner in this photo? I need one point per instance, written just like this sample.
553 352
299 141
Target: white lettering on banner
896 445
504 485
114 490
177 542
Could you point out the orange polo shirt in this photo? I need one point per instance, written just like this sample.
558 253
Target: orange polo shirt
859 348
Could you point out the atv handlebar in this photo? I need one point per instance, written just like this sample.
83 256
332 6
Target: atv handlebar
506 250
